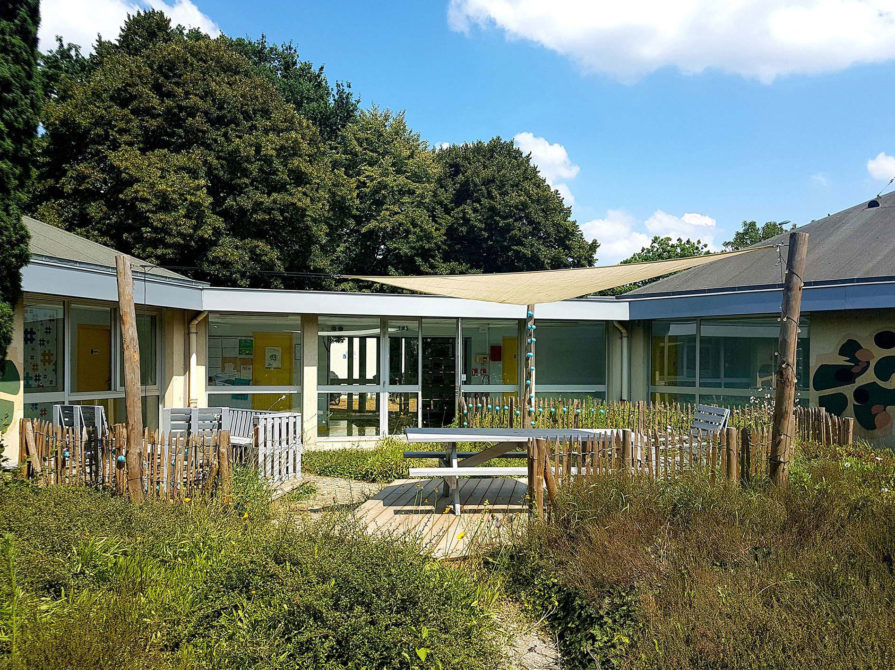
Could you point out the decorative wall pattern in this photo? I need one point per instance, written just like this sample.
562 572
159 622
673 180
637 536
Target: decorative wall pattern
851 381
41 340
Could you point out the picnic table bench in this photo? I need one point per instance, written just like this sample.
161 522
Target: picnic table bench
467 464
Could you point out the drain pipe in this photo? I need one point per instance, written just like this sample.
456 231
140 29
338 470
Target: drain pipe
626 373
194 345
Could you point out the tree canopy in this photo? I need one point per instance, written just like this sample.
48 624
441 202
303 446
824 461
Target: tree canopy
751 233
19 104
500 215
236 162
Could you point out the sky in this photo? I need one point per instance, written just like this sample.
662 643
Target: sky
649 117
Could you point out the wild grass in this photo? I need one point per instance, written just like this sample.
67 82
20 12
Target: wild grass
88 580
682 574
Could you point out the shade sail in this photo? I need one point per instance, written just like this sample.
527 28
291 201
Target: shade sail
526 288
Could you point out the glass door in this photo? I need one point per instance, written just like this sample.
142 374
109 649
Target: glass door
439 372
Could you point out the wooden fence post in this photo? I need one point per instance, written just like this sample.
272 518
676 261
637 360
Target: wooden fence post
732 454
131 359
627 450
849 430
31 447
745 460
540 458
784 398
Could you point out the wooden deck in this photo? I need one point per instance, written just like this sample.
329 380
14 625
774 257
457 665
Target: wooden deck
491 507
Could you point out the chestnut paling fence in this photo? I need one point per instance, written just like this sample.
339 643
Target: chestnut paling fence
661 444
173 466
483 411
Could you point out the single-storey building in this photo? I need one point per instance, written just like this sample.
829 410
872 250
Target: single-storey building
359 366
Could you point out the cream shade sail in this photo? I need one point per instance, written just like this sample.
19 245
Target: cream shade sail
527 288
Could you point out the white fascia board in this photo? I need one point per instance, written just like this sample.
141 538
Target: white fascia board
98 283
270 301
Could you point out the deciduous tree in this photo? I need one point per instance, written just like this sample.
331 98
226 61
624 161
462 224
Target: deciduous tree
751 233
500 215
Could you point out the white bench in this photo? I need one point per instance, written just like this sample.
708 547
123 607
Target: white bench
460 471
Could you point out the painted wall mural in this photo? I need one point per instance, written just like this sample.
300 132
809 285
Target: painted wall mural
853 379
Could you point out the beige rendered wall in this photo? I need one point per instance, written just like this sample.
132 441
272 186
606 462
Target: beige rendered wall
12 394
855 345
176 366
309 380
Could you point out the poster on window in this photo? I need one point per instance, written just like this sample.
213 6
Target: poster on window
273 358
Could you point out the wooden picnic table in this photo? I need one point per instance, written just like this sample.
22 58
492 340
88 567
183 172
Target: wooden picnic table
502 440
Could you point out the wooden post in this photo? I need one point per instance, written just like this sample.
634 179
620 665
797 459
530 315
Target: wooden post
540 459
31 447
745 455
784 398
627 450
849 430
529 408
732 454
131 356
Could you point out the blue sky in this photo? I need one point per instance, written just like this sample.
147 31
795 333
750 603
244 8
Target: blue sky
769 116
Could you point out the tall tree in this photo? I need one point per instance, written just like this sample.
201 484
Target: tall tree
174 148
19 102
751 233
389 228
500 215
301 84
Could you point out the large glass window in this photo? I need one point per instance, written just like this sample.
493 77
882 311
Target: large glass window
44 347
348 414
673 353
348 351
147 326
735 357
259 354
570 355
491 353
246 350
91 348
403 352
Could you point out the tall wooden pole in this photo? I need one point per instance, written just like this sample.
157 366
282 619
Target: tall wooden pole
530 410
784 398
131 349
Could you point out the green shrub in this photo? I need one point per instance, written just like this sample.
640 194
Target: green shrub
90 580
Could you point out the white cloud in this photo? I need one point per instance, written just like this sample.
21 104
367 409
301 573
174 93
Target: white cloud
820 179
444 145
552 160
616 235
80 21
759 39
621 235
566 194
882 167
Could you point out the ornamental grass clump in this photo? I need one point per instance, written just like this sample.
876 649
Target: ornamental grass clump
632 572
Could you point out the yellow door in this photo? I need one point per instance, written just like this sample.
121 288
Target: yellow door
94 358
510 363
272 366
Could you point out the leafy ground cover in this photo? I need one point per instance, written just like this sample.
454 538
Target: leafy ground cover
683 574
88 580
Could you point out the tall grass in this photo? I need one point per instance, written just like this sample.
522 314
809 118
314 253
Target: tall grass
93 581
679 574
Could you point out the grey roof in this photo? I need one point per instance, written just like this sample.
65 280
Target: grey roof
52 242
856 243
